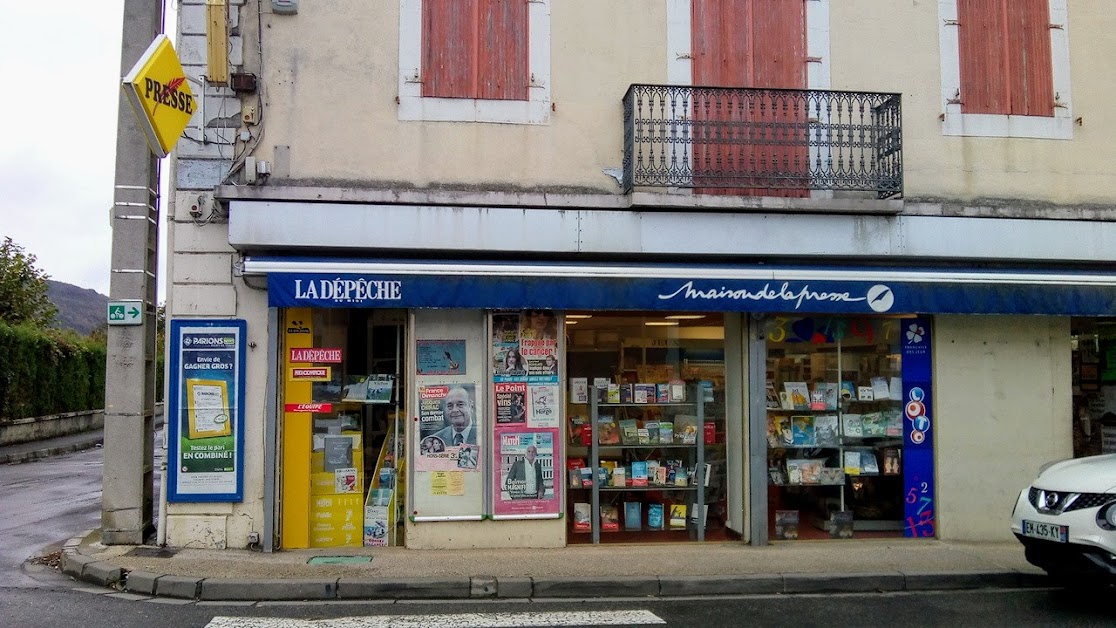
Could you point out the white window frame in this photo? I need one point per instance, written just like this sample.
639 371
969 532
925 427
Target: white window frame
1058 127
413 106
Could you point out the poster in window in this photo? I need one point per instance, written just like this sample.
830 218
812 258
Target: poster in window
448 432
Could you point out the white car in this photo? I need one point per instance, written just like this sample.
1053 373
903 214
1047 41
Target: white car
1066 519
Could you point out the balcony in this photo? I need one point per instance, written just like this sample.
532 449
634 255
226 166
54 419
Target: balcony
762 142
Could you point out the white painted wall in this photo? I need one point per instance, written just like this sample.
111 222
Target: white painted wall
1002 408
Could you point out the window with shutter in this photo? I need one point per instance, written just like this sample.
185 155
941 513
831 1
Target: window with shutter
475 49
1004 50
1005 68
475 60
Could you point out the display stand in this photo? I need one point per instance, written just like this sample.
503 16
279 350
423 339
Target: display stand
695 452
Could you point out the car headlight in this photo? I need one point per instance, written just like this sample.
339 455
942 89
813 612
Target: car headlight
1106 516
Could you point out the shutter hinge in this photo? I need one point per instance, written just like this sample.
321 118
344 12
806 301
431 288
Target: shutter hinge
683 55
952 23
956 100
414 78
813 59
1059 27
1058 104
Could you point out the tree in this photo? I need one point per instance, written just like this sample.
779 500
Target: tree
23 288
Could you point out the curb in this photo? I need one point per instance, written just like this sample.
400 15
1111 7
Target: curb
86 569
39 454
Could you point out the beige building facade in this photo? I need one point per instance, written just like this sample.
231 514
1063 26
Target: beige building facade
347 148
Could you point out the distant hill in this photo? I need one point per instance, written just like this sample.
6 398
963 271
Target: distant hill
79 309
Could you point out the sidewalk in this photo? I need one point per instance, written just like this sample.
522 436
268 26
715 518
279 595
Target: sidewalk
573 572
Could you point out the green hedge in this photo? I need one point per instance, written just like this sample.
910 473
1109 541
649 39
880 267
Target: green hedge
46 371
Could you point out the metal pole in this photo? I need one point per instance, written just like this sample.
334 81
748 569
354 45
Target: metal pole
126 502
269 540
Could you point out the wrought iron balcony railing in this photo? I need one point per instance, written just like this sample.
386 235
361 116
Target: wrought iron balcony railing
766 142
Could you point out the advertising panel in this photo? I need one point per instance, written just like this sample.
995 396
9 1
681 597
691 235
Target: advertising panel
205 411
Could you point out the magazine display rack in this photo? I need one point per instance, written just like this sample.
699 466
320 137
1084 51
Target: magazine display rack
665 456
838 440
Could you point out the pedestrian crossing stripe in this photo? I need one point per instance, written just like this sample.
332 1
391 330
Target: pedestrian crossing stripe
462 620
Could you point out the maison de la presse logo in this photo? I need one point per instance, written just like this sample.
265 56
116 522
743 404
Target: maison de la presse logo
879 297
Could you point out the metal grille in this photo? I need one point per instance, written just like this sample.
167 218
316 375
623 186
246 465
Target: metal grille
750 141
1090 500
1079 501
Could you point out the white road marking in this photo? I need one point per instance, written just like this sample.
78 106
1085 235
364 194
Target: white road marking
462 620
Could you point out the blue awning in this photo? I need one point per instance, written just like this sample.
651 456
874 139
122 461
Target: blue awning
348 283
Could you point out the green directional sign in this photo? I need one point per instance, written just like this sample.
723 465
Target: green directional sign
125 313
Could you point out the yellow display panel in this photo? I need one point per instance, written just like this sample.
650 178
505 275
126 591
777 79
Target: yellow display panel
297 442
208 409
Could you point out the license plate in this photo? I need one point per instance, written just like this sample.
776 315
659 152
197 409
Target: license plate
1046 531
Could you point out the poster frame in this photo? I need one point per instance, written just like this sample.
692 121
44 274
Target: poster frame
176 385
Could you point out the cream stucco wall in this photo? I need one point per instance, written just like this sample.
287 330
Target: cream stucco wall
202 286
331 73
331 88
897 49
1002 408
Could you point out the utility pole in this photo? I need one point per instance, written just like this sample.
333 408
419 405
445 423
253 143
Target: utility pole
128 472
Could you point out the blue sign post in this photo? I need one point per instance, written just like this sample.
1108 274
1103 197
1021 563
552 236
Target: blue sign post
918 450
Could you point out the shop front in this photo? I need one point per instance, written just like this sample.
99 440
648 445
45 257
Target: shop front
438 405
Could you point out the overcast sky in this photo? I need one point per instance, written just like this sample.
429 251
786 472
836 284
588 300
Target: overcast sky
61 63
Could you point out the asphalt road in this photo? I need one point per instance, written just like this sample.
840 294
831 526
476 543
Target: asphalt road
44 503
29 608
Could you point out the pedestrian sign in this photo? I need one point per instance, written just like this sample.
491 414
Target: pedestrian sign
125 313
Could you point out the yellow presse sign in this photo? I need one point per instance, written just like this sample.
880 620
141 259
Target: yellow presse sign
160 95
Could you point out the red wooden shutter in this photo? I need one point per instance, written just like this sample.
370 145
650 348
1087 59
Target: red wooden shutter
449 48
982 31
779 44
1004 49
1032 77
502 71
748 43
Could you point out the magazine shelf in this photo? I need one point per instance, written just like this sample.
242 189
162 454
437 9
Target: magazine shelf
847 464
690 454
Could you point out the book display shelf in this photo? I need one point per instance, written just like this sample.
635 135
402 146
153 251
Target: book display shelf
835 433
650 475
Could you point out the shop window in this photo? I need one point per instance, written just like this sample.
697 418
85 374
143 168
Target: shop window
835 427
1093 377
341 438
649 372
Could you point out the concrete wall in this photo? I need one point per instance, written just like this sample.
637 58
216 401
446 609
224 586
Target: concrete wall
42 427
331 74
1002 409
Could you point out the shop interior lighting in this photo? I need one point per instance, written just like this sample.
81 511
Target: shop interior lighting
661 323
579 316
685 317
572 322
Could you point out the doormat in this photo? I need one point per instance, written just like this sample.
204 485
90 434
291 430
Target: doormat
338 560
152 552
